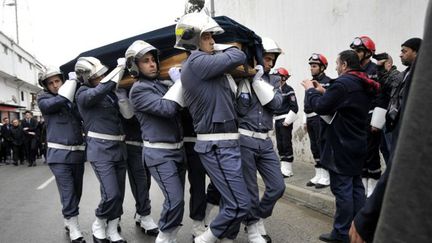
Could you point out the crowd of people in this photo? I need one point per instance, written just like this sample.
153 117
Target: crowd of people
208 123
22 140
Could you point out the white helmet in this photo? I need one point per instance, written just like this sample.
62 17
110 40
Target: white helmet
137 50
88 68
191 26
270 46
49 72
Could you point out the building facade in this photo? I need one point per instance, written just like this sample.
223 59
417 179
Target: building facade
18 80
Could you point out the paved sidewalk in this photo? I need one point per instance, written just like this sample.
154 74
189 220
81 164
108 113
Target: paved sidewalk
321 200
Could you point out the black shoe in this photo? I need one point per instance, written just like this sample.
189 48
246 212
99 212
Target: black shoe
30 165
267 238
151 232
79 240
119 241
320 186
97 240
329 238
309 183
16 164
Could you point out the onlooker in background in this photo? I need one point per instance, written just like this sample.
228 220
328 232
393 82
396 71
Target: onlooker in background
318 64
6 140
389 78
365 49
17 135
42 139
284 118
29 126
365 222
345 106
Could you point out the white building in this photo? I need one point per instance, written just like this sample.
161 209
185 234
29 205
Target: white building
302 27
18 79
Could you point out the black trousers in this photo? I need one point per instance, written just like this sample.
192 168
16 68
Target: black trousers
313 129
372 166
30 146
283 140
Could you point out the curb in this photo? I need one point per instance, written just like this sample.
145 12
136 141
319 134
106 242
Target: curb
313 200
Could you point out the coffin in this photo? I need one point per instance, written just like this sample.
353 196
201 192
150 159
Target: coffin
164 40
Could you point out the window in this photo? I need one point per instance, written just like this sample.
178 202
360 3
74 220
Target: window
5 49
20 58
22 95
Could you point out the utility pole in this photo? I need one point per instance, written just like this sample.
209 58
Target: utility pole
212 10
15 4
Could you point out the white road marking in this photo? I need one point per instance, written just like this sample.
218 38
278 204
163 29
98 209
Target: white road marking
45 183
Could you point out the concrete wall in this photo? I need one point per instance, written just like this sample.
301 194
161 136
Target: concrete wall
302 27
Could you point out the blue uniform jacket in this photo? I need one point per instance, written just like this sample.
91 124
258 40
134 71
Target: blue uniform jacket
343 142
63 125
159 118
324 80
289 101
253 116
208 95
99 110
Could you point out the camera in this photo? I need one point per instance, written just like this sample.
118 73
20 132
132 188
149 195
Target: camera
381 56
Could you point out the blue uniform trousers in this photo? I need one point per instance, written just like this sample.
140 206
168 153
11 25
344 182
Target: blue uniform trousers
111 176
313 129
350 198
283 141
69 179
223 165
139 179
167 168
265 161
197 180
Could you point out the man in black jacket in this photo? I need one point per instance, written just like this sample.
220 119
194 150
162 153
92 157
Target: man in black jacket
6 140
344 106
29 125
17 135
365 222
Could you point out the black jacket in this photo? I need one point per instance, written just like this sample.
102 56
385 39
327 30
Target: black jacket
17 135
343 142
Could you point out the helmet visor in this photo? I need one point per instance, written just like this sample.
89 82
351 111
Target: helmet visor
357 43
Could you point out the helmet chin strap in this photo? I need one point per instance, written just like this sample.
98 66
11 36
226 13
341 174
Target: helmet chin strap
141 75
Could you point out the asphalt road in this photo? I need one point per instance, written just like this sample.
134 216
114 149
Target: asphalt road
30 211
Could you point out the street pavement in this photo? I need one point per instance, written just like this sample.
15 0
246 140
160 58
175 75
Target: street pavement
30 209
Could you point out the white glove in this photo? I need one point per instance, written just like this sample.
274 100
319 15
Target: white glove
125 106
68 89
121 93
260 72
221 47
174 73
121 61
117 74
72 76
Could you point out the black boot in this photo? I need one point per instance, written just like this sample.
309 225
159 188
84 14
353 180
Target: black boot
96 240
